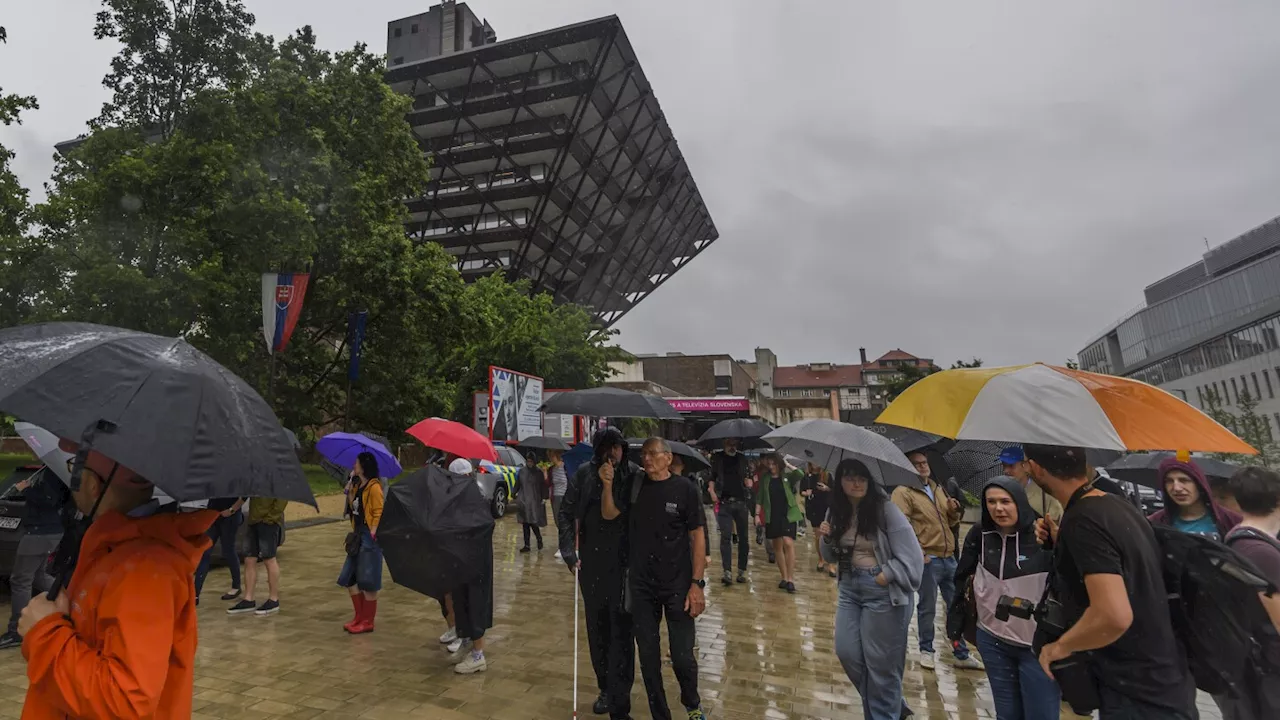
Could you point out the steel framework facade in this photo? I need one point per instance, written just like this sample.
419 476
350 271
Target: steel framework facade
552 161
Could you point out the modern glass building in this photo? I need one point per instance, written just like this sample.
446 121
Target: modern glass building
552 160
1211 328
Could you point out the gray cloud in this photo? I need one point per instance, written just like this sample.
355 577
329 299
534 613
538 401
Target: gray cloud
956 179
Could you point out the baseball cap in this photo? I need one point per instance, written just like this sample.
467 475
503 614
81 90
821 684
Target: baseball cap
1012 455
461 466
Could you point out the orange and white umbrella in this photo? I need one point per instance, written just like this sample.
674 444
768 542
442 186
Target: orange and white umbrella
1057 406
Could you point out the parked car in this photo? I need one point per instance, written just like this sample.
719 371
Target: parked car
12 510
497 481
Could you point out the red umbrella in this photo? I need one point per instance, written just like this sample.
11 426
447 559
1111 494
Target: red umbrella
454 438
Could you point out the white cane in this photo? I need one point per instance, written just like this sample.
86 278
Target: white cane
575 643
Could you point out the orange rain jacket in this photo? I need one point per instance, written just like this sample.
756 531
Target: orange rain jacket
127 650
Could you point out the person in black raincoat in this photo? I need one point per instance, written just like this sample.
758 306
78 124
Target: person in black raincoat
1003 559
593 541
531 507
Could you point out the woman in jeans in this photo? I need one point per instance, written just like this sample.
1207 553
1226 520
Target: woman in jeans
1003 558
362 572
880 566
223 531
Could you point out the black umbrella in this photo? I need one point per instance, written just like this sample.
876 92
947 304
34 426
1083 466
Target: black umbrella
610 402
747 430
543 442
973 462
435 531
153 404
910 440
1144 468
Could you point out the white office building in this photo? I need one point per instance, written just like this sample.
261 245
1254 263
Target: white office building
1213 326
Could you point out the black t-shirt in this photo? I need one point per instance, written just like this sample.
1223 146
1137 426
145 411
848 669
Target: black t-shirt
661 519
1105 535
729 473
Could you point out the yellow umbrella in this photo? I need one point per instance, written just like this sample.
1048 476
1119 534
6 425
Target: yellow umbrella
1057 406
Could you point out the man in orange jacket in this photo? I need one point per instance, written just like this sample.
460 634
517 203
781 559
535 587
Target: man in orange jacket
120 641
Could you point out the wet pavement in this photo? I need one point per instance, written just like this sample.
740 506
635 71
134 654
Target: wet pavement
763 654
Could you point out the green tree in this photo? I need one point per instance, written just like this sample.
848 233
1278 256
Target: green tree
907 376
1071 364
171 51
961 364
19 254
1248 425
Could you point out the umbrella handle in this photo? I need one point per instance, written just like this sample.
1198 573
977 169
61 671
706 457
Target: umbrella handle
575 643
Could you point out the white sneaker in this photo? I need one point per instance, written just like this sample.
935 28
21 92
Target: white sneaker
559 556
450 636
471 664
970 663
928 660
460 649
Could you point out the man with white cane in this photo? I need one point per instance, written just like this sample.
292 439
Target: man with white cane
593 544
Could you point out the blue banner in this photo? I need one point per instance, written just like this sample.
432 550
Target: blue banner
355 337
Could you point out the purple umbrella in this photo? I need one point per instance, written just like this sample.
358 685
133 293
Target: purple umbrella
342 448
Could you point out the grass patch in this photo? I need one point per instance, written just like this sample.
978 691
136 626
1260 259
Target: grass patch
11 461
322 483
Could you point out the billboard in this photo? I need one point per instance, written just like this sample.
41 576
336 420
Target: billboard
514 400
553 425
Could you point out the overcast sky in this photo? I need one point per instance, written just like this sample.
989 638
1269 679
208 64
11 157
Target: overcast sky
958 179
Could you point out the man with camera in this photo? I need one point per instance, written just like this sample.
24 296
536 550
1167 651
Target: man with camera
1111 641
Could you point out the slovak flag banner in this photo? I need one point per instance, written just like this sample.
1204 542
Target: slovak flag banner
282 295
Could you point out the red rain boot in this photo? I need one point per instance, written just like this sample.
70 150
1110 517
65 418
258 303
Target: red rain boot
366 618
357 602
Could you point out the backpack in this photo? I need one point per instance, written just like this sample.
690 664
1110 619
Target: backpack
1216 613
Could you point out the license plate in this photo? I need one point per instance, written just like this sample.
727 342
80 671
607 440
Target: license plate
9 523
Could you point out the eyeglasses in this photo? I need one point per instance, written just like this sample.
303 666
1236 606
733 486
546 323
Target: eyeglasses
654 453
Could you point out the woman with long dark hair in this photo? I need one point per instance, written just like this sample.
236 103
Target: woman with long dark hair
880 565
362 571
781 514
816 491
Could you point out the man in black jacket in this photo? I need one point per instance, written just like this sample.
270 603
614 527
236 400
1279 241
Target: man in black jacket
593 542
45 496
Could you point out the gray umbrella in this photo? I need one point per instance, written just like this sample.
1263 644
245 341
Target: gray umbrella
543 442
747 430
155 405
828 442
610 402
45 446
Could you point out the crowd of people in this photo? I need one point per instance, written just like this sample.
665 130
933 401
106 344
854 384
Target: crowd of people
1060 585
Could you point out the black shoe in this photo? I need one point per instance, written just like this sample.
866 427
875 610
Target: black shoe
242 607
791 588
539 547
10 639
233 595
782 584
602 705
197 601
726 578
742 576
524 549
270 607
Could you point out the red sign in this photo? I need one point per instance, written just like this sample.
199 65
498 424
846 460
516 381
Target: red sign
714 405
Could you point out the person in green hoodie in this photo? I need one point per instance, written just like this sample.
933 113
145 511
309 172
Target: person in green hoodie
781 515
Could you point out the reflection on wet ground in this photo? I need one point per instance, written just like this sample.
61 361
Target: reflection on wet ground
762 653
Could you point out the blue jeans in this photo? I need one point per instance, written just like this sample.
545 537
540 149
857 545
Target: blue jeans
1019 687
871 642
223 533
364 569
939 574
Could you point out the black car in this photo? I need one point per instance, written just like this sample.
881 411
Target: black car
12 510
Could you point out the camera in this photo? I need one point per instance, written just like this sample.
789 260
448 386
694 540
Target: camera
1017 607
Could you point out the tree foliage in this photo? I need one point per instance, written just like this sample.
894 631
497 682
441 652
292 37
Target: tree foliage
18 251
1071 364
961 364
907 376
1248 425
280 157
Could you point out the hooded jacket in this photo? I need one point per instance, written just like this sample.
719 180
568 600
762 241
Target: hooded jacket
127 648
1223 518
1016 559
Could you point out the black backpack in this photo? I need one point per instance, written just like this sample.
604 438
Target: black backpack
1216 613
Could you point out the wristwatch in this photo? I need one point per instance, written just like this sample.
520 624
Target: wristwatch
702 584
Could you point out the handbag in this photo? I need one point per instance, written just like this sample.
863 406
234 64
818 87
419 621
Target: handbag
351 543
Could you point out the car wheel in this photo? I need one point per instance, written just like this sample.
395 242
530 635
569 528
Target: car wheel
500 501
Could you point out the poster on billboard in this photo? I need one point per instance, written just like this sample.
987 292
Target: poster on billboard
514 400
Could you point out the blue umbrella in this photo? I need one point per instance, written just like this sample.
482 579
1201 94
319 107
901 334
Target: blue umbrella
342 448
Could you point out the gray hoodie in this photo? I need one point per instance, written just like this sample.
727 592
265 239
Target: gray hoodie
897 551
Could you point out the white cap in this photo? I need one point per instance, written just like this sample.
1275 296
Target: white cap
461 466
